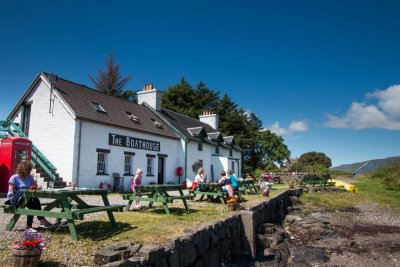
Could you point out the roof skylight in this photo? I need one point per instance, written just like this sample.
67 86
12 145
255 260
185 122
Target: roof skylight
98 107
132 117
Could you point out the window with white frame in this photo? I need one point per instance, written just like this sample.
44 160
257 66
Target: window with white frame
101 162
233 166
102 157
128 164
150 161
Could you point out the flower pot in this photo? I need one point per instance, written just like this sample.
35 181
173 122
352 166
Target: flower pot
26 258
232 207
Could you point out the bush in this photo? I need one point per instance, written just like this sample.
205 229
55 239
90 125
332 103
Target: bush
389 176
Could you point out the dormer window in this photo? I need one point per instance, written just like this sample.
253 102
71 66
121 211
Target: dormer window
132 117
98 107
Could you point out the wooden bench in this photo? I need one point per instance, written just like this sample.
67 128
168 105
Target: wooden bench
214 191
157 194
71 206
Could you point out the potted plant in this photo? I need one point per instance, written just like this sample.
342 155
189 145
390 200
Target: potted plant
232 202
28 248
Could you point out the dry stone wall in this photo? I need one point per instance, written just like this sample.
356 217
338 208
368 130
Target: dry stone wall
209 246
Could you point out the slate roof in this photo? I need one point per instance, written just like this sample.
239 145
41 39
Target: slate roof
80 98
183 122
191 127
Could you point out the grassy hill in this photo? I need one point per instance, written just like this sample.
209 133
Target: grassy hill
376 162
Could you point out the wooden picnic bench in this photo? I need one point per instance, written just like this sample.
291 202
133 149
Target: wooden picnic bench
318 180
213 190
157 193
247 186
68 204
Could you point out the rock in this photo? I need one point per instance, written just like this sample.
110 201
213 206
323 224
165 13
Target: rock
294 200
316 233
115 253
289 219
274 240
320 218
308 256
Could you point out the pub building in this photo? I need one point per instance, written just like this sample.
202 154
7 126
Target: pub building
90 137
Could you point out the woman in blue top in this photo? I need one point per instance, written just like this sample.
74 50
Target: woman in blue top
234 181
24 180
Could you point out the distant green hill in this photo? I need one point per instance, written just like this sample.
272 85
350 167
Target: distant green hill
375 162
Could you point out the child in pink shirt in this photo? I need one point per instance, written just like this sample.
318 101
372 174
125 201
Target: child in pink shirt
137 180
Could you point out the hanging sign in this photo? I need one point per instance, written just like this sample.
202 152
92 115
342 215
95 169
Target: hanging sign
132 142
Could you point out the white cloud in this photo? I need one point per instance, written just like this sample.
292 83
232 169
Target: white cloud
294 126
385 114
298 126
389 100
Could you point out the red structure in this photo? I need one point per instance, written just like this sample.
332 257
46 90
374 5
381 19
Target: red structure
12 151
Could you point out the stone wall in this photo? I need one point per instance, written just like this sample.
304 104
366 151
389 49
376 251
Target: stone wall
210 245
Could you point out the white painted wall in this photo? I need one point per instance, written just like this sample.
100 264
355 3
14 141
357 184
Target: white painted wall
220 162
52 133
96 136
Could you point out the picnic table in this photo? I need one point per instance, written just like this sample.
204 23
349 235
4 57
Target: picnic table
157 193
318 180
213 190
70 206
247 186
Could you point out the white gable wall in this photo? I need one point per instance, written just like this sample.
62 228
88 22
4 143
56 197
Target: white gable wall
52 133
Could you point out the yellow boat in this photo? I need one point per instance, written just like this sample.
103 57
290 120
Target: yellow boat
347 186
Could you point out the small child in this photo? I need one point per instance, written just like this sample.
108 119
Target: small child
137 180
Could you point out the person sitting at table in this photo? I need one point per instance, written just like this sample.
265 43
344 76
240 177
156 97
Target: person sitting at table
24 180
227 184
137 180
198 179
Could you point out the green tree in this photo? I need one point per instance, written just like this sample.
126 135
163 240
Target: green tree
205 98
111 81
181 98
315 158
252 155
273 149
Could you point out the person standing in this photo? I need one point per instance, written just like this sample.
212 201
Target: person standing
137 180
24 180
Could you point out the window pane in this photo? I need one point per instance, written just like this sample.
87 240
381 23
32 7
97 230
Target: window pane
101 162
127 165
149 165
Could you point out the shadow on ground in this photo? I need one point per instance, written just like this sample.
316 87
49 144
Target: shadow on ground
96 230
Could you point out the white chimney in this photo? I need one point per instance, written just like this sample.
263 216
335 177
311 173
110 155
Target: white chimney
151 96
210 118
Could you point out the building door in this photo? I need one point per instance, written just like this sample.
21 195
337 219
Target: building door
26 117
161 164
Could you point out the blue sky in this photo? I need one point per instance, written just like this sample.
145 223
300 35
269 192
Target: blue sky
321 73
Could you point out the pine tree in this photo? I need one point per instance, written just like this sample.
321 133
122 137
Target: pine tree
111 81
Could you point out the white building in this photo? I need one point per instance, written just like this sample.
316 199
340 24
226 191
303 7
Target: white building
89 135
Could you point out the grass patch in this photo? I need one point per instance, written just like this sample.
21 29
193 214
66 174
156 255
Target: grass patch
332 201
381 186
376 190
135 226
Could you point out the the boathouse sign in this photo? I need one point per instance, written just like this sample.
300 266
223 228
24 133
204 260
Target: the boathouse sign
132 142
